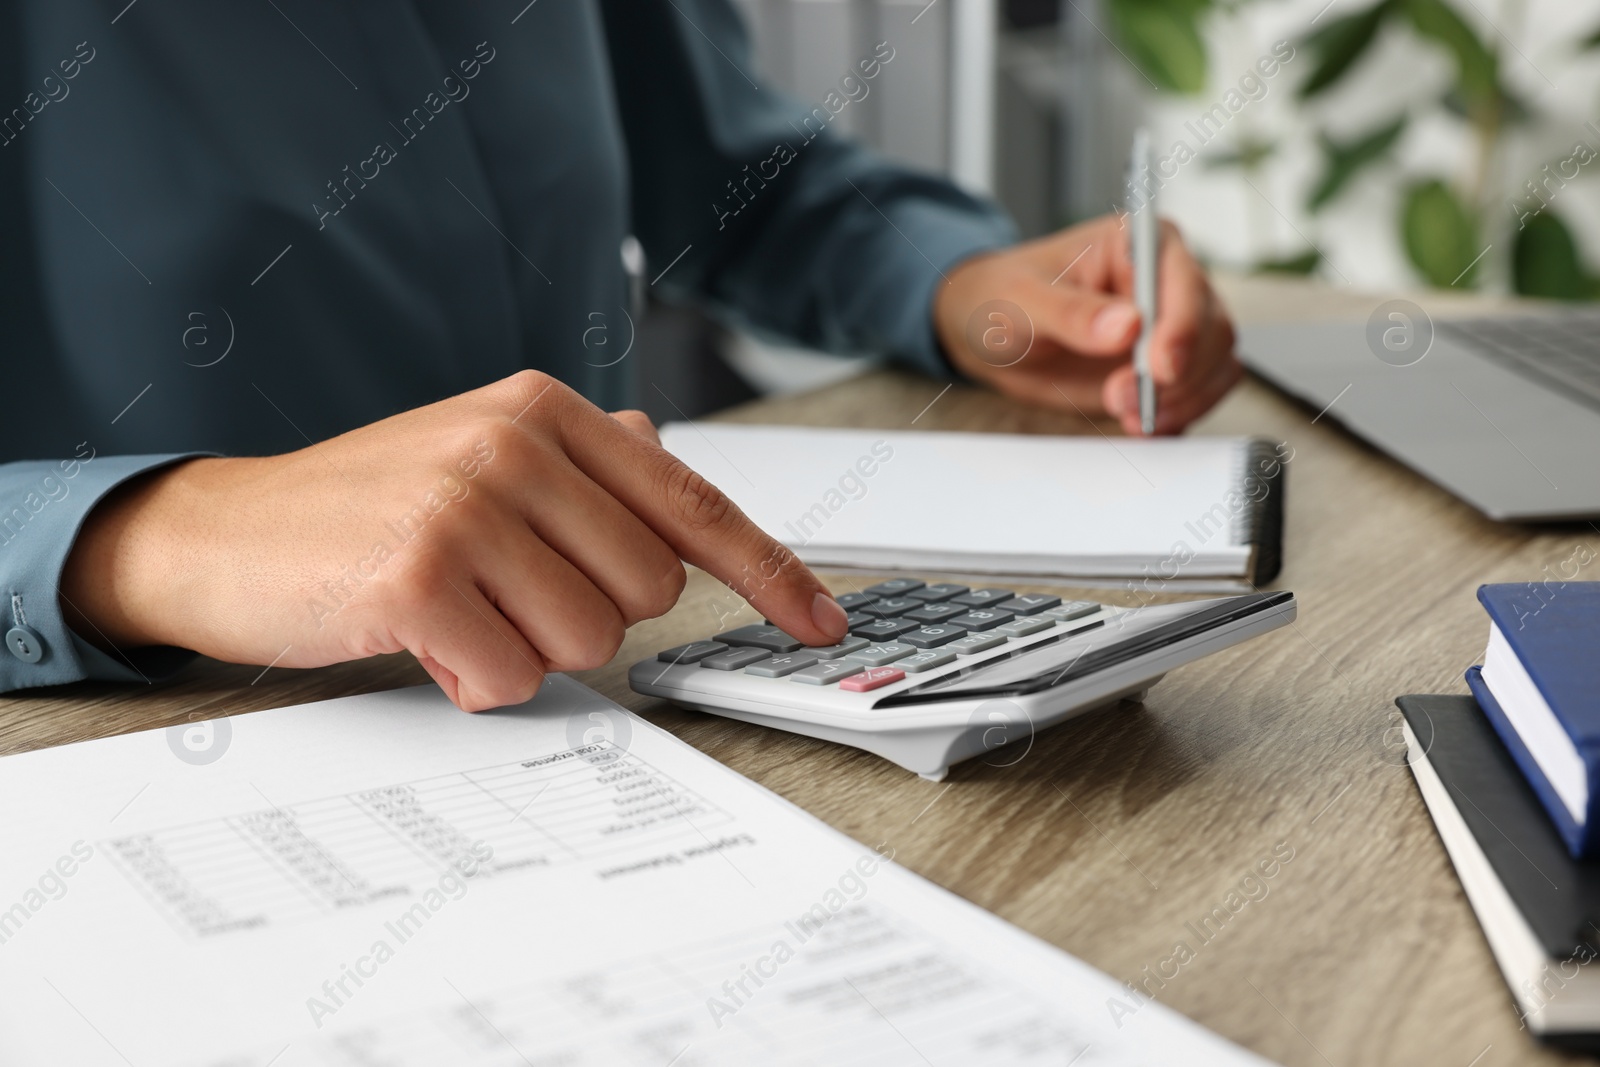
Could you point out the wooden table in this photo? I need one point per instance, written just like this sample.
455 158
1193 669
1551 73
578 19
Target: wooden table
1117 830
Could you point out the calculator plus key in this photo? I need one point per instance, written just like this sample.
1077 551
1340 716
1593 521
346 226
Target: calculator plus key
972 644
1024 626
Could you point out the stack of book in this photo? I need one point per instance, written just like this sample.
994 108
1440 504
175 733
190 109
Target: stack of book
1508 776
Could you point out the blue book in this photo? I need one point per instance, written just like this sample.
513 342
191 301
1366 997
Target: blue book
1540 687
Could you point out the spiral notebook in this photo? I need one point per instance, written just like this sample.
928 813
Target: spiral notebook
1198 512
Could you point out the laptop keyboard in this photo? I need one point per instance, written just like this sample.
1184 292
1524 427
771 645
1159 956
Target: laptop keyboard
1560 350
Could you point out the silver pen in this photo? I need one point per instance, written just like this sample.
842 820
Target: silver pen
1144 235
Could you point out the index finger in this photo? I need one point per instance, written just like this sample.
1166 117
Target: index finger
702 525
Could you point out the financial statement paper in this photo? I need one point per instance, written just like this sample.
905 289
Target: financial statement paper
382 879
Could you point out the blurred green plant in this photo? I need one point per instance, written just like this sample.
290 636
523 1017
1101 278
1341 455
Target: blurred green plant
1442 219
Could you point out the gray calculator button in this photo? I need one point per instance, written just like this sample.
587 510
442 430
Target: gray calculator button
878 655
938 591
859 618
768 637
693 652
1031 603
890 606
1073 609
734 659
984 598
827 672
935 612
1024 627
926 661
884 629
843 648
782 666
854 601
934 636
984 618
972 644
894 587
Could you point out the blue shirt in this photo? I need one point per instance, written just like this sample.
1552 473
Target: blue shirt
240 228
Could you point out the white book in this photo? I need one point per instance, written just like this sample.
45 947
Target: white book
1158 511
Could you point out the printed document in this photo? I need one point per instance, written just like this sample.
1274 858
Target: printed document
385 880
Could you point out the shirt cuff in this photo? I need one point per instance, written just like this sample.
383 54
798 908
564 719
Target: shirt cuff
941 239
43 505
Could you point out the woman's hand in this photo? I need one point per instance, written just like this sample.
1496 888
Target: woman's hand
498 535
1052 322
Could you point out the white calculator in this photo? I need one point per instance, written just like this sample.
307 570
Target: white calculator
934 673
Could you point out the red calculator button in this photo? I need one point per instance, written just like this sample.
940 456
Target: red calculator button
872 679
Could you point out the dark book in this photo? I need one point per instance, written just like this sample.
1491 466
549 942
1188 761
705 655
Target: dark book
1537 685
1538 906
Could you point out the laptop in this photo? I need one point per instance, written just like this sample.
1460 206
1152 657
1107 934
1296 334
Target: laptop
1503 412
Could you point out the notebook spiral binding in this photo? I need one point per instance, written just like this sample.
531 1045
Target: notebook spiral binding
1260 522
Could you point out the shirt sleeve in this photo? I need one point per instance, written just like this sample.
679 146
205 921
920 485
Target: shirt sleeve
782 225
43 504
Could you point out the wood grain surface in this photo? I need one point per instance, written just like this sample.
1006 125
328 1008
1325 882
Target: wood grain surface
1116 833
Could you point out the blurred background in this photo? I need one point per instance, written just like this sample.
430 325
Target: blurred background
1400 144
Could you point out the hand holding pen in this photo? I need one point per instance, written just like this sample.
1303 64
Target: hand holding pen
1056 320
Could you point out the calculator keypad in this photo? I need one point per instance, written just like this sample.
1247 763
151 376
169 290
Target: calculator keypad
898 628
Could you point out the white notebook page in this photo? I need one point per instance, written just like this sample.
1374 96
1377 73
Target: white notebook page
1001 503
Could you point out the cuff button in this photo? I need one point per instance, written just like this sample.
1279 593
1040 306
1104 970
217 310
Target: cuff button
25 644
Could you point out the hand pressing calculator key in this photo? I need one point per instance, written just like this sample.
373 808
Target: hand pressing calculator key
931 668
